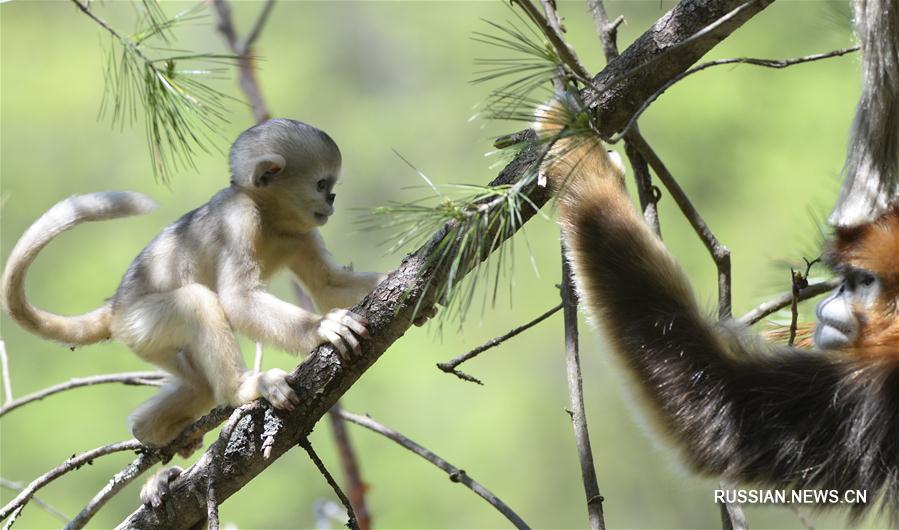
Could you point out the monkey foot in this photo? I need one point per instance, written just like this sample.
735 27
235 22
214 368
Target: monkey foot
157 487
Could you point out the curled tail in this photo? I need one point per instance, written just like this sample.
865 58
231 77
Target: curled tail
74 330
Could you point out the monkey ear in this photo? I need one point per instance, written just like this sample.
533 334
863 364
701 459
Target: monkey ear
266 168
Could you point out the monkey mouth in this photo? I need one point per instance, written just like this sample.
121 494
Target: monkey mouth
320 218
829 336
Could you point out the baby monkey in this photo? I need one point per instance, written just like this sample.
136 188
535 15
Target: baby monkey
204 277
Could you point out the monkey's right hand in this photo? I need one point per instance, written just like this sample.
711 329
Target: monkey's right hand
338 327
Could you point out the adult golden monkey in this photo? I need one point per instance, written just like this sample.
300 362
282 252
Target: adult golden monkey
737 407
203 278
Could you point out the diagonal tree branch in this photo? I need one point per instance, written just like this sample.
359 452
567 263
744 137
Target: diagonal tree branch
322 378
456 475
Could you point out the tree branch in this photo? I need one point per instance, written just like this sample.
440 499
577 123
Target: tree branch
450 366
15 486
355 486
576 399
71 464
782 301
720 253
126 378
676 41
767 63
245 60
322 378
352 524
455 474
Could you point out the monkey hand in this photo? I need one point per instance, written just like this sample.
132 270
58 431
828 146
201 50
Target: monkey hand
339 328
272 385
157 487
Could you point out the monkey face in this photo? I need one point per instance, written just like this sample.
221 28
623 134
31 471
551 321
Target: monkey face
305 196
323 197
842 314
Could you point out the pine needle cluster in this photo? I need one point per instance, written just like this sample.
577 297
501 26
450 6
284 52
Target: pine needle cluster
479 219
148 80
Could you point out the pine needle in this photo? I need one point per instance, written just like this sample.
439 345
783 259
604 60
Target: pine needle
145 78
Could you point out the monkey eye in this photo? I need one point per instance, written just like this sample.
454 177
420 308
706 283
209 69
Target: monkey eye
867 279
321 185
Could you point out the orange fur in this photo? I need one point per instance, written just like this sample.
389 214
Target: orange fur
874 247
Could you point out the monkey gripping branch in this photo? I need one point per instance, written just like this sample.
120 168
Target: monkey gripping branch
676 41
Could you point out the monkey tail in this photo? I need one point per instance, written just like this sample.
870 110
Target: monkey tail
576 154
73 330
742 410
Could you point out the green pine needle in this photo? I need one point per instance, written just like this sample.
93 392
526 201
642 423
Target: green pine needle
166 87
525 63
481 218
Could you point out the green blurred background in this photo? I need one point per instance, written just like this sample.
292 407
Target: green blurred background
758 151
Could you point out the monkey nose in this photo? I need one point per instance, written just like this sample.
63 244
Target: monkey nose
331 197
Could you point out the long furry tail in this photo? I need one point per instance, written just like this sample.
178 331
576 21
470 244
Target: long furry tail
73 330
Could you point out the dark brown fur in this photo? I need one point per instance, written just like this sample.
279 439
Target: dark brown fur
738 408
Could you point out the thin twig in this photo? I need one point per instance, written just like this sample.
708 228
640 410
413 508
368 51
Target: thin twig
720 253
247 42
245 60
355 485
7 381
70 464
794 306
455 474
126 378
15 486
783 300
118 36
450 366
565 52
552 16
647 193
351 515
767 63
576 399
12 519
607 31
798 281
118 482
